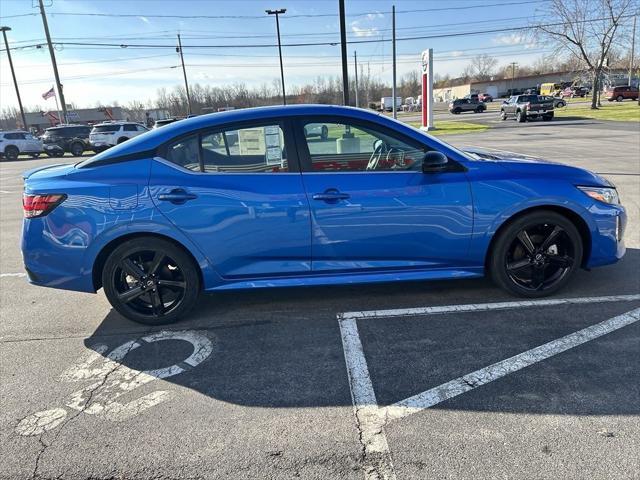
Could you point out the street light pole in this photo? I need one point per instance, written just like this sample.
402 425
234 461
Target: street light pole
355 64
277 13
13 74
393 48
633 48
343 48
184 72
53 62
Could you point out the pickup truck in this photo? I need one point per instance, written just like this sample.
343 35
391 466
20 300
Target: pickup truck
524 107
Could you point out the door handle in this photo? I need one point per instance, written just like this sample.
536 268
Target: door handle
177 196
331 195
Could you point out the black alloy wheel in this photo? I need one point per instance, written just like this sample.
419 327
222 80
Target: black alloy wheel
536 255
151 281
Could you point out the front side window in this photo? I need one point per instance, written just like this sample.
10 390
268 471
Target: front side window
258 149
345 147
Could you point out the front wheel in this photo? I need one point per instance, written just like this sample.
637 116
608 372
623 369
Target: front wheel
11 153
619 98
503 115
536 254
151 281
547 118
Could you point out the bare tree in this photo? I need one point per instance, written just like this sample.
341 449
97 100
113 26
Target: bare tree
586 30
481 68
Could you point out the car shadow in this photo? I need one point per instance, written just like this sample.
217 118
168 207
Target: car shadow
282 348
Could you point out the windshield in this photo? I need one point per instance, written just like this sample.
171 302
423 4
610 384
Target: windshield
105 128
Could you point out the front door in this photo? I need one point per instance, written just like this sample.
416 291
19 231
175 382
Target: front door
237 193
372 206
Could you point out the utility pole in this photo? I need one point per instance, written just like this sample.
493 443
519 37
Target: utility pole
53 62
513 74
343 47
393 47
184 72
13 74
355 64
277 13
633 47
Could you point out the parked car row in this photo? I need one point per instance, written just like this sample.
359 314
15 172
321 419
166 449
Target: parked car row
73 139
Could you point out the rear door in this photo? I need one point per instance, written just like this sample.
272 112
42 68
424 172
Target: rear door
372 206
237 192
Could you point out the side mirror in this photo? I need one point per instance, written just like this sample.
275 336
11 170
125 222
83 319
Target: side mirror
504 102
434 162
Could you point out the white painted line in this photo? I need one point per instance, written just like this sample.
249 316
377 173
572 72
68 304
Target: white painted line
3 275
500 369
377 457
482 307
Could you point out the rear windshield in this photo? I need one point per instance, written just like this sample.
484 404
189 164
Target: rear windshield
106 128
529 98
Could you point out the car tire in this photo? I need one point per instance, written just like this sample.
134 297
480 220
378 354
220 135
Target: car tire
543 267
503 115
11 153
51 154
520 118
619 98
35 155
456 111
76 149
547 118
324 134
479 110
151 281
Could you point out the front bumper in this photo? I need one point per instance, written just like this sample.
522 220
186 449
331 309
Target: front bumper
607 242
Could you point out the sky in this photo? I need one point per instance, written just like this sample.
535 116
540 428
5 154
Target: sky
226 42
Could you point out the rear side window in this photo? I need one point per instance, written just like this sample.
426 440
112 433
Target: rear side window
106 128
130 128
257 149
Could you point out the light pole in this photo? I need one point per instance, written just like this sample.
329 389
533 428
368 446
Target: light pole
277 13
184 73
343 51
13 74
53 62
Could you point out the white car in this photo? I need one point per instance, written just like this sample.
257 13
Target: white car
105 135
16 142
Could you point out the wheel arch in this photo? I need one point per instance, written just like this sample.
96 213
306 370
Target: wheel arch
101 258
575 218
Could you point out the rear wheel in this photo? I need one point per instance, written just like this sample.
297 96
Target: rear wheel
77 149
151 281
536 254
520 117
11 152
548 117
35 155
456 111
479 110
619 98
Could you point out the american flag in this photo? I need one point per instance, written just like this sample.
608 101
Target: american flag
48 94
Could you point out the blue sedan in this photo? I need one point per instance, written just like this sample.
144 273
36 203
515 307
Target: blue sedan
246 199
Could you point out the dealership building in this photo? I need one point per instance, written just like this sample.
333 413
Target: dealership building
500 88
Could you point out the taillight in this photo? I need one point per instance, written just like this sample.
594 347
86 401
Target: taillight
527 106
41 205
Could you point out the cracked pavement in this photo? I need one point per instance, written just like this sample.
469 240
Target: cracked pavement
273 400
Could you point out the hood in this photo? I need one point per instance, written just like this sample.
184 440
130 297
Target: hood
538 167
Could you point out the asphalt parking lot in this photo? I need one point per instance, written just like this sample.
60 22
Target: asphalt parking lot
405 381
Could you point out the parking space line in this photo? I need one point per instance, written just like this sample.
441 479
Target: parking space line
500 369
372 419
377 463
481 307
3 275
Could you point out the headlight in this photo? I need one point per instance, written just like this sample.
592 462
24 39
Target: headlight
602 194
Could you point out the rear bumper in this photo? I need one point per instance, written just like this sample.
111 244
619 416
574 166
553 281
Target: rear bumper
54 257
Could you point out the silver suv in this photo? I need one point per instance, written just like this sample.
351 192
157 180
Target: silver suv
105 135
